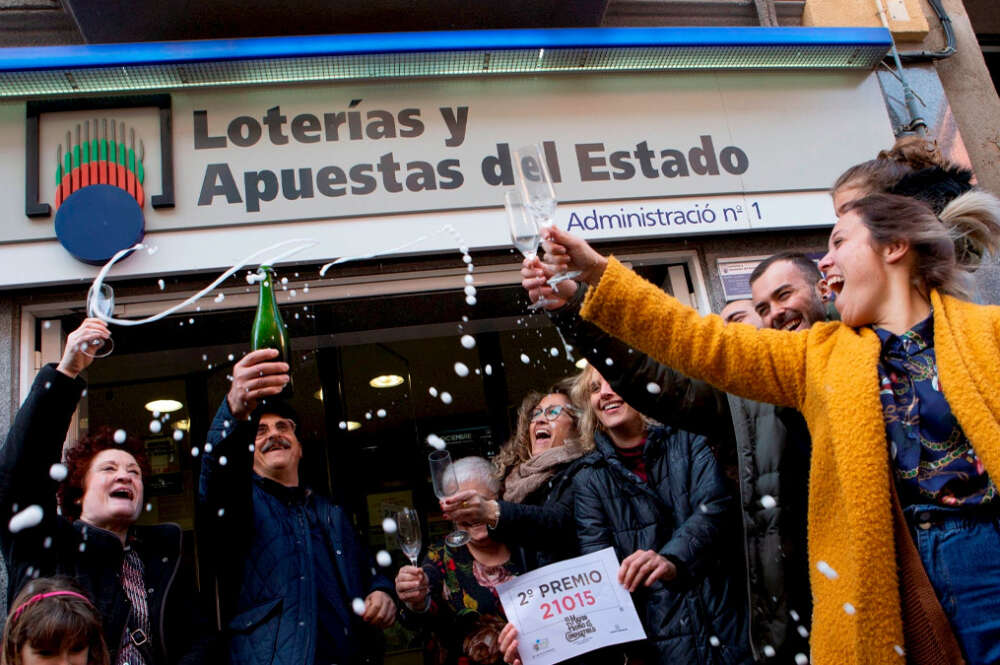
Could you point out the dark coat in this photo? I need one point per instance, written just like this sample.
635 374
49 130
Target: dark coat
756 444
90 555
681 511
264 557
542 524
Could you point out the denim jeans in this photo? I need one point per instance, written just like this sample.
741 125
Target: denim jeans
962 558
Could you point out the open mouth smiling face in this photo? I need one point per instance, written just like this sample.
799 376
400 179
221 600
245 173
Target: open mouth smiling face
112 489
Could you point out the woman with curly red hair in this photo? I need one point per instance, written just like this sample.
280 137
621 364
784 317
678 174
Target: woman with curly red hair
91 536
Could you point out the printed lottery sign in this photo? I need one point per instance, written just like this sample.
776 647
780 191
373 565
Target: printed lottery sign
569 608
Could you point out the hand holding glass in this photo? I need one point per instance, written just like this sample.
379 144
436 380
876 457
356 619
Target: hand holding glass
445 484
408 533
100 305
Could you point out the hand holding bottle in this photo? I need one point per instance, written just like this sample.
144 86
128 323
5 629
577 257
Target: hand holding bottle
257 375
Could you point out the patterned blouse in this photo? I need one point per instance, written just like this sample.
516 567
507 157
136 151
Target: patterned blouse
465 617
934 460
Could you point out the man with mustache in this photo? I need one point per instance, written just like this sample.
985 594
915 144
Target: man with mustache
290 567
763 448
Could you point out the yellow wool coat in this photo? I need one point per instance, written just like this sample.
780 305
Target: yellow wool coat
830 374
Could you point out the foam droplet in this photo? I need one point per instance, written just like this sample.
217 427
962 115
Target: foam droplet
653 388
446 397
769 651
120 436
389 525
433 391
223 461
155 426
194 451
47 325
794 615
435 441
208 447
827 569
470 290
231 357
714 641
222 511
899 650
609 362
58 472
342 424
525 359
381 413
468 341
489 370
149 507
461 369
803 631
358 606
553 352
466 259
178 435
160 283
220 297
383 559
470 300
47 543
27 518
768 501
801 659
849 608
469 279
368 415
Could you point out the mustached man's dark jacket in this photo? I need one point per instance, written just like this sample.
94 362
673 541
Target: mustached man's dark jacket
179 632
264 556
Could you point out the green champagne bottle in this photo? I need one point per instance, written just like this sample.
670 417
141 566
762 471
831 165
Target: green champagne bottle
269 331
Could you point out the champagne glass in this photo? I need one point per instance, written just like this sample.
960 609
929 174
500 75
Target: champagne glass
100 303
408 533
535 185
524 231
445 484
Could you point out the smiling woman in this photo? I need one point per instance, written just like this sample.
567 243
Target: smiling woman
131 571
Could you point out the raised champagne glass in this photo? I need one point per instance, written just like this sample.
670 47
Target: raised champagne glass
445 484
100 305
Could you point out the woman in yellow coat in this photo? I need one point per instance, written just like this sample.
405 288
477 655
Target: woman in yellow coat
891 263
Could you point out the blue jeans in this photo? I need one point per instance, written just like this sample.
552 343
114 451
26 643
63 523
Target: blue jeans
962 558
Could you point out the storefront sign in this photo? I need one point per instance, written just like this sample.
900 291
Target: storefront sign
569 608
653 154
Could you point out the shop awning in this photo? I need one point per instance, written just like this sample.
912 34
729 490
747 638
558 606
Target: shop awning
33 72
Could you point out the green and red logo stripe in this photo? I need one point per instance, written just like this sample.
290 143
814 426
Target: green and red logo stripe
97 158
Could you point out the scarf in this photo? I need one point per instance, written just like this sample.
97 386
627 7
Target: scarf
528 476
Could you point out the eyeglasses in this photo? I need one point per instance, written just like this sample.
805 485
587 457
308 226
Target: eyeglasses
552 412
280 426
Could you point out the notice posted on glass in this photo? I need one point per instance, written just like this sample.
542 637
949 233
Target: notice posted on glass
569 608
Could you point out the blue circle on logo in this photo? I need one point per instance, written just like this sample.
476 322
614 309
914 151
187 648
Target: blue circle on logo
97 221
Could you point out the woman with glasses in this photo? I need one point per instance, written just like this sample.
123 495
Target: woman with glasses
537 467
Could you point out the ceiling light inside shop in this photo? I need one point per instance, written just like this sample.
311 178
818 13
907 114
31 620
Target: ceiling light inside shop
386 381
318 394
353 425
164 406
183 424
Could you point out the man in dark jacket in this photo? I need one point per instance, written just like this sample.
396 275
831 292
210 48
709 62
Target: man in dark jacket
293 574
763 447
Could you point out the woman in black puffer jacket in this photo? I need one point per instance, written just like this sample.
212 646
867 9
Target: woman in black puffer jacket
536 467
657 496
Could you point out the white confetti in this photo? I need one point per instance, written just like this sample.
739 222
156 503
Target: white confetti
251 447
803 631
342 424
208 447
231 357
83 547
178 435
489 370
769 651
433 391
155 426
470 300
220 297
191 321
609 362
794 615
801 659
47 325
553 352
222 511
160 283
27 518
47 543
462 369
469 279
358 606
714 641
849 608
435 441
149 507
525 359
194 451
292 293
389 525
768 501
223 461
446 397
368 415
383 559
48 384
381 413
827 569
120 436
470 290
899 650
468 341
466 258
58 472
653 388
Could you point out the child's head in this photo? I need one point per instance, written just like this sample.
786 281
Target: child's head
52 622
